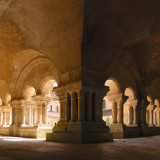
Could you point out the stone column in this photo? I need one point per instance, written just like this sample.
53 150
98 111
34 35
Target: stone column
134 104
13 120
35 116
1 118
120 110
23 121
45 115
135 115
129 114
114 111
10 116
39 114
8 120
63 109
158 118
29 116
80 106
73 106
4 118
151 117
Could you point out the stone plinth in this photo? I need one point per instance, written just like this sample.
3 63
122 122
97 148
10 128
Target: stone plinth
30 132
80 133
80 115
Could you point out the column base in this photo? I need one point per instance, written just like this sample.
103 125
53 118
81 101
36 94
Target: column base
77 132
29 131
117 130
123 131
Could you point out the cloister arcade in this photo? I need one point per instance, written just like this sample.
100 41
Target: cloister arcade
69 73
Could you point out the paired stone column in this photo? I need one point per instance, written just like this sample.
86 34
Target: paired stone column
5 112
42 103
134 105
150 108
157 116
22 112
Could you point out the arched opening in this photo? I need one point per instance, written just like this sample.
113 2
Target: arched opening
68 107
149 111
129 109
109 102
28 92
52 101
156 113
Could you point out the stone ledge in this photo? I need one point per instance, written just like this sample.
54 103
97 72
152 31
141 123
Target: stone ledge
80 138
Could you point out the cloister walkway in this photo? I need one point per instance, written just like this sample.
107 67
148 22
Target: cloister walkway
16 148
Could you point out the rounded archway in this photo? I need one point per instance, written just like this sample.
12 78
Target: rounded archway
53 107
156 113
130 108
109 102
28 92
149 111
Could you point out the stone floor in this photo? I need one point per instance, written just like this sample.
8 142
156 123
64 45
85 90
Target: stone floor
13 148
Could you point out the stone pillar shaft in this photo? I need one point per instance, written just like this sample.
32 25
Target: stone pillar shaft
29 116
45 115
35 116
4 118
1 118
73 107
114 111
135 115
130 115
80 107
151 117
120 111
23 116
40 114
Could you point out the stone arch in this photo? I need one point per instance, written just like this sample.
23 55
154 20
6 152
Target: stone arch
156 113
113 85
130 107
149 98
28 92
149 111
7 98
47 85
110 110
28 69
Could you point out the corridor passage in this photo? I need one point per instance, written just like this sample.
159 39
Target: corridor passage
16 148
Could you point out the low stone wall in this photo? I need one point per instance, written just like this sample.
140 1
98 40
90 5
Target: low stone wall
28 132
